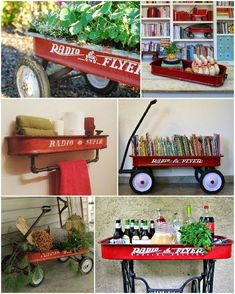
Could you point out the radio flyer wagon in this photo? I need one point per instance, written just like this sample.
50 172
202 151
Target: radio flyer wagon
102 67
128 253
141 181
85 263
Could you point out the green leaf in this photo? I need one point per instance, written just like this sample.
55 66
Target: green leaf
37 273
64 14
75 28
113 33
94 35
105 9
135 29
82 38
24 262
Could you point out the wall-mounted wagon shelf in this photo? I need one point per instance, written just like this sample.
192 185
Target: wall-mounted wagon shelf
37 145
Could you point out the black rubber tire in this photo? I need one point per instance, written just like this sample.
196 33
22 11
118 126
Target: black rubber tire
112 86
40 73
63 259
33 284
132 178
81 262
191 35
213 170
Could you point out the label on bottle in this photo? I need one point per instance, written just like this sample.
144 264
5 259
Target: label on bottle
118 226
211 226
126 239
135 237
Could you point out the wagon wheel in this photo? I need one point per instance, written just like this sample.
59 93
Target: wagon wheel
86 265
212 181
208 35
31 79
141 181
37 279
63 259
100 85
191 35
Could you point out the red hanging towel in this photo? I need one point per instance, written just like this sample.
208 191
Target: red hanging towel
72 178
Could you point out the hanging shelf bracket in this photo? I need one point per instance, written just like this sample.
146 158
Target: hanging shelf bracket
37 170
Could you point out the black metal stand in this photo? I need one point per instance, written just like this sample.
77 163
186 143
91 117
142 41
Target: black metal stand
199 284
61 208
37 170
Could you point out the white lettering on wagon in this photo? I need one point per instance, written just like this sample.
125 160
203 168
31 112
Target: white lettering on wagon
69 143
166 251
117 63
60 143
177 160
65 50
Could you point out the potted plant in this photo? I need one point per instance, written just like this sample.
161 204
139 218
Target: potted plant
171 51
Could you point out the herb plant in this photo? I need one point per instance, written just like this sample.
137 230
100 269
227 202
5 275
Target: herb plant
107 23
196 234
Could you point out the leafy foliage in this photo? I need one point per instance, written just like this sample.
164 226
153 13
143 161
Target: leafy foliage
196 234
171 49
108 23
22 12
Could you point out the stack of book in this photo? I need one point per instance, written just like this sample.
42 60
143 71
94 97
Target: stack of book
224 28
156 29
176 145
225 13
187 52
225 3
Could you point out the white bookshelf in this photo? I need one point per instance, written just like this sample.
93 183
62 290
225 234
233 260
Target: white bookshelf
174 5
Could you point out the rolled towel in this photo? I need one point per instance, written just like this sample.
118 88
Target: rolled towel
32 122
36 132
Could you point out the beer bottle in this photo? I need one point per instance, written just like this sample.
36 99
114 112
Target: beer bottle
189 219
118 233
132 226
160 218
136 233
152 229
127 233
145 235
141 227
208 220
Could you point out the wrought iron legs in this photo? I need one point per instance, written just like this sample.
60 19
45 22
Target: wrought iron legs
200 284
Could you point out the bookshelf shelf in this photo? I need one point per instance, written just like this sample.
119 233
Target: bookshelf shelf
216 23
191 22
155 18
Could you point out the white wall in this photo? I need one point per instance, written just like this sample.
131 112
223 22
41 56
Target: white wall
179 116
16 176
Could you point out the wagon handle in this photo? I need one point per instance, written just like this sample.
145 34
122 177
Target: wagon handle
121 170
45 209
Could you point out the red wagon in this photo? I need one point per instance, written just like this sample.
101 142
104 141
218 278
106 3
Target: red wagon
85 263
130 252
103 67
142 179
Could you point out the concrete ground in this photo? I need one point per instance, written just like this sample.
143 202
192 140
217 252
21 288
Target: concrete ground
175 189
59 278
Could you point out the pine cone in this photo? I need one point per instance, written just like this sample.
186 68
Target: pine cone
42 240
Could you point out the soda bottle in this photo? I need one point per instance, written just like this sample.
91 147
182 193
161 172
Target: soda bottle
152 229
132 226
141 227
118 233
160 218
127 234
208 220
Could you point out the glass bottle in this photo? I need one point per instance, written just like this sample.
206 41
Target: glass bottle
160 218
145 235
118 233
141 227
189 219
136 233
127 233
152 229
176 226
208 220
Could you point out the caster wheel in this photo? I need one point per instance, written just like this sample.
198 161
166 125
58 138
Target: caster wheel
197 174
100 85
38 276
86 265
31 79
63 259
212 181
141 181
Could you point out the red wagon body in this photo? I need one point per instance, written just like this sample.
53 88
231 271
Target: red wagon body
176 161
213 81
163 252
116 65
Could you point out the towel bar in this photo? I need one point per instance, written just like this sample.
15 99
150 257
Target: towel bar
37 170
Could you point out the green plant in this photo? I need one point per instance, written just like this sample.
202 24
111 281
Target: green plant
108 23
196 234
171 49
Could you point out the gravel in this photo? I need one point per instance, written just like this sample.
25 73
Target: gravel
15 45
